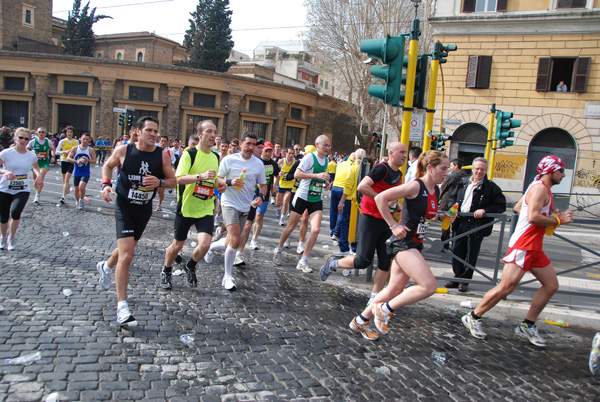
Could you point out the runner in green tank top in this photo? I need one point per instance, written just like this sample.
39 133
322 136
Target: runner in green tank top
44 150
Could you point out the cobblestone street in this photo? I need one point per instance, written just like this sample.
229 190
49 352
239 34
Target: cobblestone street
282 336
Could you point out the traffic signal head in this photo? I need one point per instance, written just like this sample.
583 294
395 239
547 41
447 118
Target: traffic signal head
442 142
129 121
434 142
504 122
390 50
420 81
441 52
378 137
122 119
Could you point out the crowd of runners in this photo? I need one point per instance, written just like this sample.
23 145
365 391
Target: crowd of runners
224 189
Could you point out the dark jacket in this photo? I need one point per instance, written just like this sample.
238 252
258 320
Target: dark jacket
487 196
449 185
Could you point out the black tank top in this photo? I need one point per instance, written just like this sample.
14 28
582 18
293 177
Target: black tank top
417 213
136 166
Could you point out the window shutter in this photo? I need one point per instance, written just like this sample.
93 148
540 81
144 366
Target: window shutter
502 6
582 71
571 4
484 71
543 75
563 4
469 6
472 71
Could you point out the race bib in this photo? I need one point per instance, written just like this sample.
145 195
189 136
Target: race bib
204 190
18 183
139 195
315 188
42 155
422 229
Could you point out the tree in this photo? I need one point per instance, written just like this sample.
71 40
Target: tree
337 28
79 38
208 41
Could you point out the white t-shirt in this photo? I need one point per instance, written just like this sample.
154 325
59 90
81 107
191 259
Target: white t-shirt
306 165
411 171
20 165
231 168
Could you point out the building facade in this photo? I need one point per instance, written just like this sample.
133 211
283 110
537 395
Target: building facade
514 53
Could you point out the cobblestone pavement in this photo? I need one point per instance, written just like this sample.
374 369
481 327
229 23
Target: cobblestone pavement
282 336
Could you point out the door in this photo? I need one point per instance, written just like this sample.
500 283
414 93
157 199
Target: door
15 113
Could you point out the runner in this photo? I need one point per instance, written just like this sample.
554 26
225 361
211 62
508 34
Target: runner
525 253
420 207
164 144
64 147
286 184
313 177
373 231
44 150
144 168
81 156
196 176
16 163
236 200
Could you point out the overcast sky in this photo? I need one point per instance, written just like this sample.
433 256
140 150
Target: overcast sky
253 21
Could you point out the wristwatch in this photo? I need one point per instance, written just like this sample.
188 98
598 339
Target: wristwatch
197 177
162 183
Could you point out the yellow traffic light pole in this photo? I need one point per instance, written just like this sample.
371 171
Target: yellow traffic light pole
411 70
492 159
488 146
435 67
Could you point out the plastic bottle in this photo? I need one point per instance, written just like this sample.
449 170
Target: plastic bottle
452 213
26 359
439 356
467 304
53 397
383 370
188 339
346 272
550 229
242 177
559 323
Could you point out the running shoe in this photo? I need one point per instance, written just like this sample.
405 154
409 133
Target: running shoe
254 244
326 269
2 243
282 221
104 272
381 318
300 248
336 243
228 283
474 326
158 208
370 300
81 204
276 257
277 212
272 201
62 200
335 238
239 259
36 199
125 318
364 330
77 205
191 276
209 256
166 279
11 245
595 355
218 234
303 266
531 333
287 243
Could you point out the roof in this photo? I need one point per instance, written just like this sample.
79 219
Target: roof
290 46
131 35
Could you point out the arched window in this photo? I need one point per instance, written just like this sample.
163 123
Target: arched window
119 56
140 57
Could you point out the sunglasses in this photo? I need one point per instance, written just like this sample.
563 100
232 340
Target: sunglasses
42 132
562 170
23 138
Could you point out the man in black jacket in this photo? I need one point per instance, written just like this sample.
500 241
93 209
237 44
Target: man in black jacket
478 195
448 186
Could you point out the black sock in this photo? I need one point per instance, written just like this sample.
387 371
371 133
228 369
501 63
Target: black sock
167 269
191 264
389 308
475 316
528 322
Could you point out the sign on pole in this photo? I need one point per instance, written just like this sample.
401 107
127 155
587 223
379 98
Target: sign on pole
119 110
416 128
130 108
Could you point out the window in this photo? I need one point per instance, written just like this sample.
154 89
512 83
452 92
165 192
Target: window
140 57
99 55
257 107
326 84
119 56
14 83
296 113
204 100
28 15
292 136
479 71
574 71
299 75
571 4
193 120
260 129
141 93
482 6
76 88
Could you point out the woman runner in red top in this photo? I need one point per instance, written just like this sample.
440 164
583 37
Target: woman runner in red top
420 206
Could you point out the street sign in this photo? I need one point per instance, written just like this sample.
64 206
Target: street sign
416 128
119 110
130 108
452 122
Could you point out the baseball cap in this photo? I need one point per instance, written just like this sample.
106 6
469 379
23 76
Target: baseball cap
268 145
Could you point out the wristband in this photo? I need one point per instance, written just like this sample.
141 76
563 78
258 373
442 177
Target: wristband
261 196
104 185
106 180
162 183
393 226
558 223
228 182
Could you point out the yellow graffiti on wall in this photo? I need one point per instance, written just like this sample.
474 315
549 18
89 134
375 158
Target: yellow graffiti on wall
509 166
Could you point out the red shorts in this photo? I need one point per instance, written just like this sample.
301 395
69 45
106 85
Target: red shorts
527 259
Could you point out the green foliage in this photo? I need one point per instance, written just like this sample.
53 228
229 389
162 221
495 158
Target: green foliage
78 38
208 41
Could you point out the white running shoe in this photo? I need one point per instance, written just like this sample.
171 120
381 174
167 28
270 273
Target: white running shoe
228 283
104 279
209 256
11 245
278 212
2 243
272 201
254 244
77 205
287 243
282 221
300 248
303 266
276 257
125 318
36 199
239 259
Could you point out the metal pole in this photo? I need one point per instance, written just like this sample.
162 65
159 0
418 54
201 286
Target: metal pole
488 146
435 67
383 133
492 159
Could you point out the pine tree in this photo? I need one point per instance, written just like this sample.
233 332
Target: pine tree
208 40
79 38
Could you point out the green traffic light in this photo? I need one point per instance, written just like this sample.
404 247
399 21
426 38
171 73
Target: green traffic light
391 51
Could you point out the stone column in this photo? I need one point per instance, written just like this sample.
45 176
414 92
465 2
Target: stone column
233 117
106 126
173 124
280 109
42 106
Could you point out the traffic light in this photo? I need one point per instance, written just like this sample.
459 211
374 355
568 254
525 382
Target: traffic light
504 123
442 142
440 51
420 81
378 137
122 119
434 142
390 50
129 121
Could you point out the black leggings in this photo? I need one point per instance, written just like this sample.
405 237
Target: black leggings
18 202
372 234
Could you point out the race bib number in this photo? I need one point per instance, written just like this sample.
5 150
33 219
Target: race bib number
42 155
18 183
422 229
204 190
139 195
315 188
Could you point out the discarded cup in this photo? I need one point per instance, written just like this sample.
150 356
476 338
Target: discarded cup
193 244
26 359
439 356
467 304
346 272
99 209
451 308
383 370
165 215
65 233
173 203
441 290
53 397
325 246
67 292
188 339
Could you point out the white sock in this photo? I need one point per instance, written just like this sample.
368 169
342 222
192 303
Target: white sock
359 320
385 308
304 258
373 295
218 245
122 304
229 259
106 268
278 249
